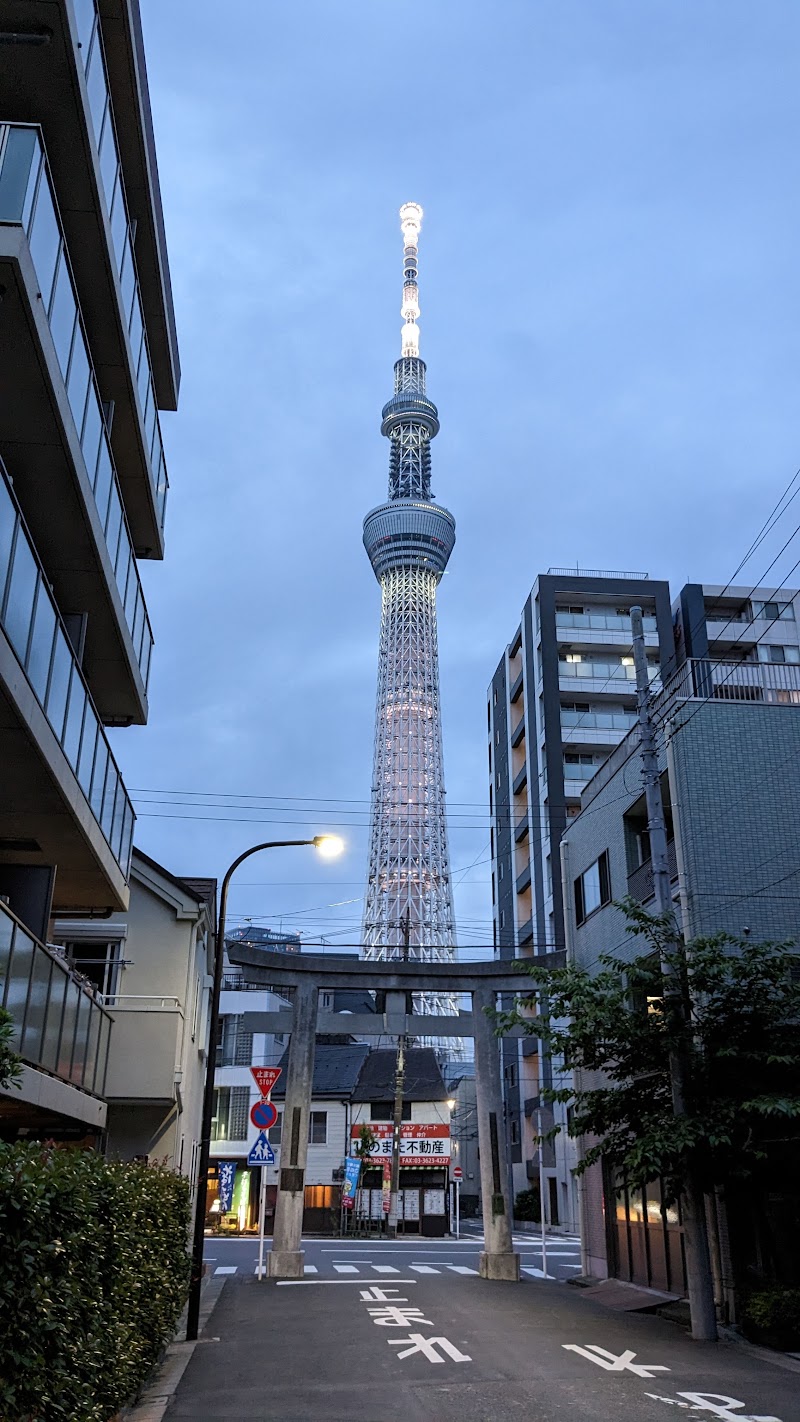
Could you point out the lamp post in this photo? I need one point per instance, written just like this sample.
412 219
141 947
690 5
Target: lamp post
328 845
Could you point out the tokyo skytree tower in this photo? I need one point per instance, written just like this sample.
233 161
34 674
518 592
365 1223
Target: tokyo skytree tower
409 540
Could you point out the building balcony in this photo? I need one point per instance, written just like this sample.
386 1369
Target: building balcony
68 87
530 1046
143 1063
516 688
524 879
762 682
56 435
599 678
62 800
521 829
640 882
61 1028
518 732
525 934
520 780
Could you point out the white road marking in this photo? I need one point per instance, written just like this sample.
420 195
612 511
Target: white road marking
345 1268
618 1362
310 1269
385 1269
423 1269
290 1283
461 1269
225 1269
537 1273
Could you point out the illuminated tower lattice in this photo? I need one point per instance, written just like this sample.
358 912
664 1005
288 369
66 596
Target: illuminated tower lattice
409 540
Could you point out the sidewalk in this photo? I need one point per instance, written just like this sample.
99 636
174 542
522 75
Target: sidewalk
460 1350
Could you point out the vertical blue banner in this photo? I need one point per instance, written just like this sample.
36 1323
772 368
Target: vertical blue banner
352 1168
227 1179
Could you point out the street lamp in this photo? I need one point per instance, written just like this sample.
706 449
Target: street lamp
328 845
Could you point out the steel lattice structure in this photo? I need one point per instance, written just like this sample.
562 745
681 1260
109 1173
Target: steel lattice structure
409 540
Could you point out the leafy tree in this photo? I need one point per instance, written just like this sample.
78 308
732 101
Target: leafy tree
737 1028
10 1067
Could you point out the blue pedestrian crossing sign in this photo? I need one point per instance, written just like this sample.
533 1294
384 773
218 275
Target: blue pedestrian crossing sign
261 1153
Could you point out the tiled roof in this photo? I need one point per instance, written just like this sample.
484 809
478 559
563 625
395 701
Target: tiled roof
423 1079
336 1069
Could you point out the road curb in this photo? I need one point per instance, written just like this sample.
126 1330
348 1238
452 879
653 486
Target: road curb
155 1399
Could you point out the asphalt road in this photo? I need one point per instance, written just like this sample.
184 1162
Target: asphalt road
376 1259
418 1347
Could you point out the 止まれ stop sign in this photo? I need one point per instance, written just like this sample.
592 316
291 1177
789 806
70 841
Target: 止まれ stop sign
263 1115
458 1173
265 1078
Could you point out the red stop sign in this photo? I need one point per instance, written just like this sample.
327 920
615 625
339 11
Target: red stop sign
458 1173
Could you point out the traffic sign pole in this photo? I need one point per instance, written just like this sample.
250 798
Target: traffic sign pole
262 1210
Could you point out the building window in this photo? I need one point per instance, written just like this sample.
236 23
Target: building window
99 962
274 1132
774 611
511 1074
515 1132
234 1046
318 1128
231 1109
773 653
592 888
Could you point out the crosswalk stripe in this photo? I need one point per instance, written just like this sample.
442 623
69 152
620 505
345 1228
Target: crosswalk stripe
424 1269
226 1269
310 1269
461 1269
345 1268
385 1269
536 1273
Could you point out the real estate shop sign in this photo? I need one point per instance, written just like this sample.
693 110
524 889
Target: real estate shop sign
420 1144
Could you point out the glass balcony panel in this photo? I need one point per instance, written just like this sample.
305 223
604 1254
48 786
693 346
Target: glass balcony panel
21 593
72 997
8 522
102 1055
44 240
88 748
72 731
127 280
124 562
117 826
63 314
161 490
92 1043
150 419
99 779
127 838
130 600
138 622
84 19
19 978
136 332
119 221
96 86
55 1010
78 381
104 481
107 813
114 523
41 646
109 161
31 1047
147 650
6 934
16 173
81 1039
92 432
59 683
143 375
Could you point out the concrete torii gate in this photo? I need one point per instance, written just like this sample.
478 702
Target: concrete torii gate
307 975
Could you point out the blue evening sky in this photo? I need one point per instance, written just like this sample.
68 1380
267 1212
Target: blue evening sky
609 290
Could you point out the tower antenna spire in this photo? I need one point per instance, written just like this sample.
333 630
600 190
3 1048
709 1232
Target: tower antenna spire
410 225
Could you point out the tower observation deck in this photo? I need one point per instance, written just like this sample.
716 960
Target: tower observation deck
409 539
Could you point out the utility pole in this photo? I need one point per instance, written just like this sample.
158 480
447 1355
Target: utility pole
399 1087
695 1232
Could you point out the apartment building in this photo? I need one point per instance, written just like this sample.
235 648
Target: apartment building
728 752
735 624
562 697
88 357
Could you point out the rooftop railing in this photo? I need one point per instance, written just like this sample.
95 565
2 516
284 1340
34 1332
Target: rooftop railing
27 200
102 118
593 573
33 625
60 1023
702 678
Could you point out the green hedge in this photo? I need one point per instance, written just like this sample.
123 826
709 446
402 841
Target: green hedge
93 1276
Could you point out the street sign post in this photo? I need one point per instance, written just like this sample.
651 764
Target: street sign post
457 1177
263 1115
261 1153
265 1078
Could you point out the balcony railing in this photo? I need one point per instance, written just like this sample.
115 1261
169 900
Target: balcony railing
60 1023
26 200
597 720
102 118
604 621
32 623
771 682
605 671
